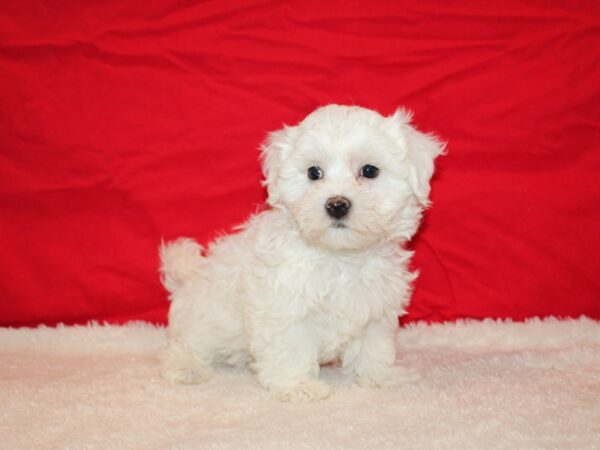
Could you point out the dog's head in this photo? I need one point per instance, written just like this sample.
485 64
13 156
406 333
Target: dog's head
349 177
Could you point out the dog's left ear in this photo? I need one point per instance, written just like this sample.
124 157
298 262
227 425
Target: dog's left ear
276 148
421 148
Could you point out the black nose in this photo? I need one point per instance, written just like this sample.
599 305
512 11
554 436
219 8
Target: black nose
337 207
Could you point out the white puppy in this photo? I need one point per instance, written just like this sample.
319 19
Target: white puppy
322 275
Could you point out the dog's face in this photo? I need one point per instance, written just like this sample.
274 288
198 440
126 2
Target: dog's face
349 177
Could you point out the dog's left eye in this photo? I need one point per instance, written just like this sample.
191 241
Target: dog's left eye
369 171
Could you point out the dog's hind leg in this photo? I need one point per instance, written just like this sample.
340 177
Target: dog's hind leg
181 364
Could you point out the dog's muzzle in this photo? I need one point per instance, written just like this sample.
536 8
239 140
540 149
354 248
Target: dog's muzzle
337 207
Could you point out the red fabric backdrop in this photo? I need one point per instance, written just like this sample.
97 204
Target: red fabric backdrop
125 121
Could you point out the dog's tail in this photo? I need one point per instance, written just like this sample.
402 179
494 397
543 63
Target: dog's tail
179 260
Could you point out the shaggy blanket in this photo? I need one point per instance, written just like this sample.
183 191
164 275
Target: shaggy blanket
486 385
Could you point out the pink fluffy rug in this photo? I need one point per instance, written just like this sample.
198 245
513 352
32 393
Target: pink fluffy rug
487 385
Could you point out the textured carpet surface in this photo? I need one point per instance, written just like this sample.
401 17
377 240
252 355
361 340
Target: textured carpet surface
486 385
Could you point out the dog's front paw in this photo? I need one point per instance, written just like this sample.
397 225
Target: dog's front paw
391 377
303 391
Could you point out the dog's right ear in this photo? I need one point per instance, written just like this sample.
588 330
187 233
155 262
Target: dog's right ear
274 151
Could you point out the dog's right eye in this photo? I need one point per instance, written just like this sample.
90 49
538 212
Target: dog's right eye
315 173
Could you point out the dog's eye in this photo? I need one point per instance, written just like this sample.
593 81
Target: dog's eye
315 173
369 171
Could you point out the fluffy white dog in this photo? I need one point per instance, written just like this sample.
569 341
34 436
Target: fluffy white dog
322 275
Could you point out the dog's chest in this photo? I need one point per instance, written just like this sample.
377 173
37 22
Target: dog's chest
344 297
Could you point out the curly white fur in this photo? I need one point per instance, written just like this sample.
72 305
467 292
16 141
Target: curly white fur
296 288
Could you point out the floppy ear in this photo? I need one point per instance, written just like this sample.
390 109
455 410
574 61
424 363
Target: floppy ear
422 149
273 152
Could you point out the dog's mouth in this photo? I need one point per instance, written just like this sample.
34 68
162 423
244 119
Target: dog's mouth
339 224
